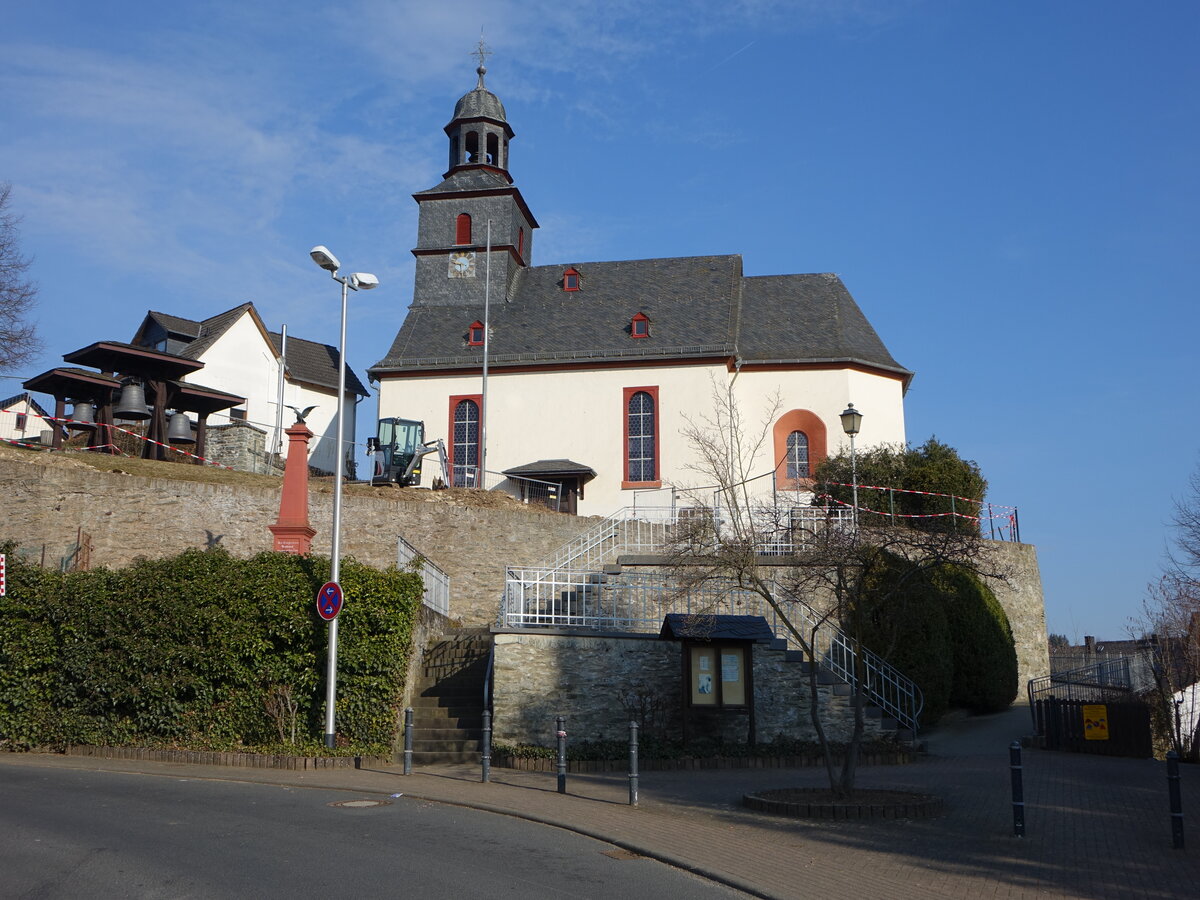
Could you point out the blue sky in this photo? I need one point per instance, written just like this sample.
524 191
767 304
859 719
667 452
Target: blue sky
1009 189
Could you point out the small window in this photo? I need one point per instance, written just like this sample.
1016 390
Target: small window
572 280
237 415
22 419
521 244
462 229
475 334
639 327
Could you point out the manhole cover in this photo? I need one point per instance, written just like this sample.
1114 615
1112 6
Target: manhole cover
361 804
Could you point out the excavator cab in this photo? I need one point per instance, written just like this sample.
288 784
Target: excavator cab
398 448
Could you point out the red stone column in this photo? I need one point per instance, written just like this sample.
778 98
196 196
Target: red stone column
292 532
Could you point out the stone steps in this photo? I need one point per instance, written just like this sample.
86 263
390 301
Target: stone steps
448 698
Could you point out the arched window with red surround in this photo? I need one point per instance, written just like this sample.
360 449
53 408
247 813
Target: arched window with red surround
464 441
462 229
641 438
800 440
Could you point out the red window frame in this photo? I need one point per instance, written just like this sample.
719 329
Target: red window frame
22 421
626 395
450 443
462 229
476 327
642 320
572 280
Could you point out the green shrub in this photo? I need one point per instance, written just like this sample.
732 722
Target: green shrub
932 468
985 658
902 618
201 650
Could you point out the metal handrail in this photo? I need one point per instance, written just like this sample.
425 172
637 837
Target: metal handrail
540 598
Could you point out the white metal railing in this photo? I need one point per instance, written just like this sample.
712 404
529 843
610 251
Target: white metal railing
437 582
651 529
576 598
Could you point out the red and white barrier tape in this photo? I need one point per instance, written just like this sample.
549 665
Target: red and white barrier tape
872 487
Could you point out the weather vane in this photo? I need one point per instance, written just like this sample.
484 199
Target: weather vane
481 52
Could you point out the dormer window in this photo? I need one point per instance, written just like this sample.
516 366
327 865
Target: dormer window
475 334
639 326
572 280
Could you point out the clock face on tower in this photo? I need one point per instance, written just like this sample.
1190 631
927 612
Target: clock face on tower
462 264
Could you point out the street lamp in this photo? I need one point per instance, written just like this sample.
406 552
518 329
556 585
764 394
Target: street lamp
851 422
359 281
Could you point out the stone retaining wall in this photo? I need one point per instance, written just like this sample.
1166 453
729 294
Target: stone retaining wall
243 760
47 500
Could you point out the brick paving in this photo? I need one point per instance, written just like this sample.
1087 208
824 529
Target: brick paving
1097 827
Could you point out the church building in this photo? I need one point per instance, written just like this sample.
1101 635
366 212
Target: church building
585 374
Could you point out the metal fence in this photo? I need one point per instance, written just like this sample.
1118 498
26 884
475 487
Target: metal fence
528 490
437 582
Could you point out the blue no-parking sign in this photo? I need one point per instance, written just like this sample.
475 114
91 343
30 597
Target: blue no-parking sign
329 600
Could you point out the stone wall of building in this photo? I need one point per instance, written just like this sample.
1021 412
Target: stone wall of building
241 446
48 499
602 683
1018 587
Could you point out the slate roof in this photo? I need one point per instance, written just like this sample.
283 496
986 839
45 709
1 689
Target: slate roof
716 628
698 306
175 324
308 361
473 179
552 467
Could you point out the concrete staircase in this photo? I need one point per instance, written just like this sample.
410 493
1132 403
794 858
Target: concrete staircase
448 697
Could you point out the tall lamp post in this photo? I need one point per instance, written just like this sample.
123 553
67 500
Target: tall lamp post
359 281
851 422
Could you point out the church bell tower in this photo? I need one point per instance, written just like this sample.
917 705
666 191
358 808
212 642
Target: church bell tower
453 222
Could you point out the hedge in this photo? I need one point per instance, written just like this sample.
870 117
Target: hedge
202 650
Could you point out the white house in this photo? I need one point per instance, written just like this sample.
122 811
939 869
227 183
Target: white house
595 368
242 357
22 418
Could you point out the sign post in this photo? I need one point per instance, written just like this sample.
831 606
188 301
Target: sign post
329 600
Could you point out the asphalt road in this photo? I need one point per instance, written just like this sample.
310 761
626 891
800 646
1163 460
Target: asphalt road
72 833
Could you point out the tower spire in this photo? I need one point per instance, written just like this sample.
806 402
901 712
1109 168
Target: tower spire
481 53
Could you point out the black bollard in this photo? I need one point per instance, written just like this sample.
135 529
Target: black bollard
1176 800
408 730
1018 791
633 763
487 746
560 727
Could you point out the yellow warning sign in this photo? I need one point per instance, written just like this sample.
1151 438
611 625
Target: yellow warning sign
1095 722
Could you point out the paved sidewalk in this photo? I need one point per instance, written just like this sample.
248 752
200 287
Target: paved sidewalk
1096 827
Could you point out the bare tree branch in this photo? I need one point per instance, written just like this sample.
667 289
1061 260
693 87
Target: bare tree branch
18 295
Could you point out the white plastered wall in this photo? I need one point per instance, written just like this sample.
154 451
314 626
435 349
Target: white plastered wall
579 415
243 362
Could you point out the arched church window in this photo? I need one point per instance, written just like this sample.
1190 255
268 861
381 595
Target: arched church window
462 229
641 436
797 455
465 444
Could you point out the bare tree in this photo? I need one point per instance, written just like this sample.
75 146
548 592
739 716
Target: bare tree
18 339
1171 617
813 568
